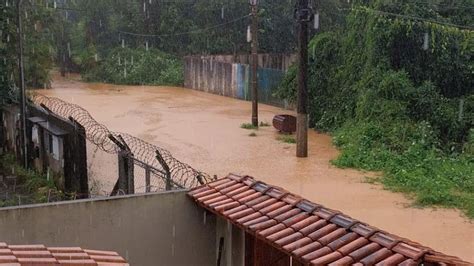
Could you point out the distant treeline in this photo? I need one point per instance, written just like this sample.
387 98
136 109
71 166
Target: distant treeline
81 35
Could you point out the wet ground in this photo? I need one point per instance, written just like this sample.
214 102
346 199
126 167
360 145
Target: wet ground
204 131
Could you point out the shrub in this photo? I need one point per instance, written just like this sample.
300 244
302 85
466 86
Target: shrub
394 106
137 67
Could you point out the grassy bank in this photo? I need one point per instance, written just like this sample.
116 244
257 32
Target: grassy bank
426 174
397 102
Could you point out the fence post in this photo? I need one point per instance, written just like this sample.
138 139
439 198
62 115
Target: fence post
126 175
166 168
147 179
79 161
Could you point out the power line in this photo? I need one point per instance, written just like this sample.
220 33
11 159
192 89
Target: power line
62 8
379 12
448 6
183 33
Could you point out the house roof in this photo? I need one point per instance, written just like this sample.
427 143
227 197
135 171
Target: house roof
22 255
309 232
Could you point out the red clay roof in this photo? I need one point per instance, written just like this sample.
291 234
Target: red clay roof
29 255
309 232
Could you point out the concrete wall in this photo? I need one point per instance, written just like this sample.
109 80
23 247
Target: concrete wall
230 76
152 229
274 61
233 248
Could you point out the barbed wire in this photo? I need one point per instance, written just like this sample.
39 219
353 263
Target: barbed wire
182 174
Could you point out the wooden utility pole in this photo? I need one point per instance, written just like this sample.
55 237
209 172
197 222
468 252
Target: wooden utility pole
254 67
22 88
303 15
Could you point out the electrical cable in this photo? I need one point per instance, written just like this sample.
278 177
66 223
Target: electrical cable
183 33
419 19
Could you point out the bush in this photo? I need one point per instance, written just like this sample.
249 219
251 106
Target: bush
394 106
31 187
137 67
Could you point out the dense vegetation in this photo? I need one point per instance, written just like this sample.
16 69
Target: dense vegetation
137 66
398 96
39 35
172 30
29 186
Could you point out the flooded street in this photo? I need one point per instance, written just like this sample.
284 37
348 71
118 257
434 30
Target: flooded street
204 131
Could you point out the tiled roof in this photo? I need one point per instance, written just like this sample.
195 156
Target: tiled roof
309 232
29 255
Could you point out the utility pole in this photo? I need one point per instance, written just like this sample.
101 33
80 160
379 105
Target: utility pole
22 88
254 67
303 15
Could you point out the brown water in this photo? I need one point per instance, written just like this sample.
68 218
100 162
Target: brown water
204 131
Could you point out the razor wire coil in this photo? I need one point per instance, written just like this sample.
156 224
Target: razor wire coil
182 174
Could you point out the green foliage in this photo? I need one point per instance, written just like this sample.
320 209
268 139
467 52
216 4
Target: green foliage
287 139
248 126
138 66
395 106
264 124
421 170
39 27
30 185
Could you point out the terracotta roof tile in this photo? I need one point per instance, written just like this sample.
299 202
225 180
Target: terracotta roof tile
313 246
322 231
309 232
316 254
313 227
326 259
263 225
345 239
275 209
37 255
255 221
352 246
364 251
281 234
392 260
10 258
5 251
65 249
32 254
297 244
408 262
79 262
325 240
250 217
27 247
343 261
235 209
71 256
289 239
378 256
285 216
304 223
37 261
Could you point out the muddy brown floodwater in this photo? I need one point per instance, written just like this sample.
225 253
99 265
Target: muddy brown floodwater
204 131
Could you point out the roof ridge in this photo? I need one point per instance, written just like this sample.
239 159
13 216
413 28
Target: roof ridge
393 243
